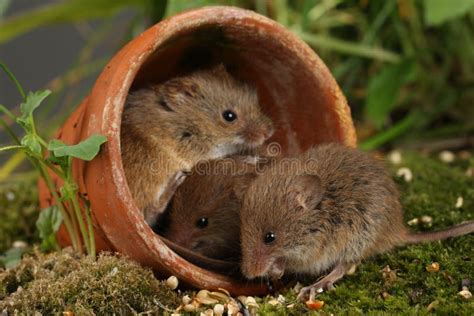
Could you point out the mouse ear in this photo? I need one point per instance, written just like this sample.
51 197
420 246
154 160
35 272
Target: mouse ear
307 190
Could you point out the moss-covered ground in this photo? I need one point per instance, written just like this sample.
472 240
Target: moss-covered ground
61 281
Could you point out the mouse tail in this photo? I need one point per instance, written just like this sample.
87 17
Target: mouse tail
453 231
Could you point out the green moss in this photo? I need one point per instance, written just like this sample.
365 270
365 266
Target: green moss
18 213
63 281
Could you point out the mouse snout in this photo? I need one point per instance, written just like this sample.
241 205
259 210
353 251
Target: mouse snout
255 264
257 134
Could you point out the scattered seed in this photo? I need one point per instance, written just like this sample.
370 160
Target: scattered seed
281 299
446 156
189 307
202 294
19 244
385 295
172 282
352 270
219 296
395 157
274 302
218 309
464 154
314 304
207 312
459 202
413 222
470 172
10 196
250 302
186 299
68 313
426 220
232 308
298 286
290 305
176 314
224 291
405 173
433 267
433 305
388 274
206 300
465 294
242 298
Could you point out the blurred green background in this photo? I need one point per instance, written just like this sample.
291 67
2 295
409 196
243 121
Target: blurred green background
406 66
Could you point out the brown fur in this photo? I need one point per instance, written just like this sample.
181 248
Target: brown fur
336 207
168 128
211 191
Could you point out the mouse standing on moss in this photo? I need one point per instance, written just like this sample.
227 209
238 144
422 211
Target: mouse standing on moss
203 214
167 128
337 207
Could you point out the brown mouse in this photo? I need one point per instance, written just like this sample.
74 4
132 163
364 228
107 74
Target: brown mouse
167 128
204 211
325 210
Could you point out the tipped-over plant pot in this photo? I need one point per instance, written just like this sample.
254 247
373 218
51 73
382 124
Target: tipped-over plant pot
295 89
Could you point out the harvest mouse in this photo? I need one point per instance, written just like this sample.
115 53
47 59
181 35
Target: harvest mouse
325 210
167 128
204 211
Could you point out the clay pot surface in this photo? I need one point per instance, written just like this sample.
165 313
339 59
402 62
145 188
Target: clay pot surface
295 89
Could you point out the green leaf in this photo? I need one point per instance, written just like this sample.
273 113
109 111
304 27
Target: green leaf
3 7
12 257
48 224
33 100
440 11
383 91
31 142
85 150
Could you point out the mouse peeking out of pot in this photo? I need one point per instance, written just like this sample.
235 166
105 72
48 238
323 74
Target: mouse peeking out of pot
169 127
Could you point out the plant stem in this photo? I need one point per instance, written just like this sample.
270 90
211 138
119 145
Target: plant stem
70 186
14 80
67 221
91 229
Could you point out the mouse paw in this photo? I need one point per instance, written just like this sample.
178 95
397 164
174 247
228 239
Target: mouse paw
310 292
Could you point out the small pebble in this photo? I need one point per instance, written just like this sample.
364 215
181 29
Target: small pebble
433 267
218 309
459 202
413 222
405 173
172 282
446 156
395 157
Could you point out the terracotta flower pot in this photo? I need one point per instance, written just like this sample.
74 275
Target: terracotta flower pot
295 88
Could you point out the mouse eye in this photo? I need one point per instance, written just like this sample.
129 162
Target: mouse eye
202 222
269 237
229 116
